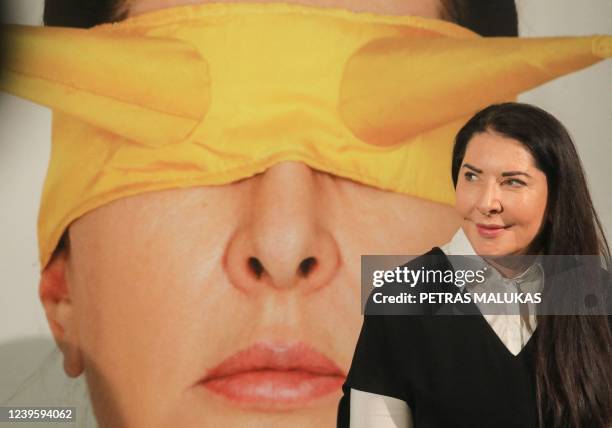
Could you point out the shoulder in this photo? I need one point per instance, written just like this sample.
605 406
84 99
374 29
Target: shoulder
392 297
433 259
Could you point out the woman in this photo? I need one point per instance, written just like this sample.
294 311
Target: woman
231 292
520 190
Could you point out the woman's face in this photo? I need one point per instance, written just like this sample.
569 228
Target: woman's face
501 195
234 305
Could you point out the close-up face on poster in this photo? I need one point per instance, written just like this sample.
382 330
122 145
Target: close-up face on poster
311 213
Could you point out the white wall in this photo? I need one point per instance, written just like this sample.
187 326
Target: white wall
24 147
582 101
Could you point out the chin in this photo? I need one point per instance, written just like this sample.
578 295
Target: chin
491 249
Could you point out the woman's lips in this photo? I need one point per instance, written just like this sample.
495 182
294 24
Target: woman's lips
271 375
490 230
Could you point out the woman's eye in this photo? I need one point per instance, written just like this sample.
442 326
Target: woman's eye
515 182
470 176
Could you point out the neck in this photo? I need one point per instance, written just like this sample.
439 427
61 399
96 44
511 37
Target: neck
511 266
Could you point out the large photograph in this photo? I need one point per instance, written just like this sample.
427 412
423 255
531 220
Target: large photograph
188 188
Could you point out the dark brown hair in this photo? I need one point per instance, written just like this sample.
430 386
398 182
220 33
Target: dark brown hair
573 358
488 18
485 17
82 13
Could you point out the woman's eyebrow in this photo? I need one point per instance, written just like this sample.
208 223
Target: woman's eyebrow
512 173
472 167
503 174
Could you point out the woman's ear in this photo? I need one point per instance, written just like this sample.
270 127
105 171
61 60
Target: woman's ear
55 296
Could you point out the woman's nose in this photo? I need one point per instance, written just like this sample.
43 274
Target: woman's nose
489 200
283 243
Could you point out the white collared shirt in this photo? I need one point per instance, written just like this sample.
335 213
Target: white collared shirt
373 410
511 328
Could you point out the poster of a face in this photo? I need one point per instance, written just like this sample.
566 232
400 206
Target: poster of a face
187 252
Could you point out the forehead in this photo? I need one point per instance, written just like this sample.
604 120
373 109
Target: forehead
424 8
496 153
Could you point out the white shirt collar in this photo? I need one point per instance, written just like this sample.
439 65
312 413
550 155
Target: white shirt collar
460 245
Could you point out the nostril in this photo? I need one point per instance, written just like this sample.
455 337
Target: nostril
255 266
307 265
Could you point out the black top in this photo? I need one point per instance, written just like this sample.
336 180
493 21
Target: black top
453 371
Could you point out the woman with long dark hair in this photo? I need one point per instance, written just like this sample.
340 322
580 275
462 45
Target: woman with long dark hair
520 190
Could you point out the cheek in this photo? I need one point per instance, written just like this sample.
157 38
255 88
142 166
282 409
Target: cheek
132 279
147 325
528 211
465 199
147 299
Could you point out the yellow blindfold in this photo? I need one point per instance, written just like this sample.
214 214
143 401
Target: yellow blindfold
210 94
